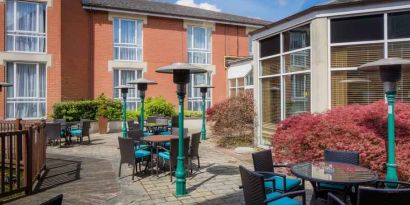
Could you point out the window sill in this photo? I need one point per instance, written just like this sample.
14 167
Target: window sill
25 57
117 64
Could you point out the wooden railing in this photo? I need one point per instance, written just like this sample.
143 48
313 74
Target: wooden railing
22 155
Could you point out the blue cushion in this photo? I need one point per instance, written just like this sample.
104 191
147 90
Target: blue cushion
146 134
332 186
76 132
167 144
166 133
290 183
140 153
143 146
62 133
281 201
164 155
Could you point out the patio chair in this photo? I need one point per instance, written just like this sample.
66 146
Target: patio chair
162 120
194 149
174 121
263 164
136 136
83 130
132 156
255 194
171 155
347 157
63 127
132 126
57 200
53 132
378 196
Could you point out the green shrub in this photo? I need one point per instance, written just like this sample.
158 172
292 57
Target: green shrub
193 114
133 115
75 110
159 106
111 109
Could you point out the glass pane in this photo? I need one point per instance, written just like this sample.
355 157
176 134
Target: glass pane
116 83
199 58
10 79
399 49
9 15
355 55
232 91
42 44
190 37
297 94
26 85
42 17
299 61
127 76
241 82
249 79
26 110
128 32
42 110
270 46
10 43
116 30
399 25
270 66
199 38
296 38
271 107
9 110
26 16
232 83
128 53
42 80
353 29
26 43
116 53
139 32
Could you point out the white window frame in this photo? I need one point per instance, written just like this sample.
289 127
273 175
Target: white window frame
136 99
196 99
385 41
129 45
207 52
15 99
17 33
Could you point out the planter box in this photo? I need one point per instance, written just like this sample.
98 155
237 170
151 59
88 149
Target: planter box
193 124
94 127
114 126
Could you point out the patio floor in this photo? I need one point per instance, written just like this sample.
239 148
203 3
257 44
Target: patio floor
88 174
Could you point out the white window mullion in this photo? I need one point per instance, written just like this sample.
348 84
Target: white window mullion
386 50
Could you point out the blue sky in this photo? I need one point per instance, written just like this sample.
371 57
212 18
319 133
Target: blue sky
265 9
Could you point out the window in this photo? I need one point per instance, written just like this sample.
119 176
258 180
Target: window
296 38
270 46
240 85
25 26
297 91
128 39
250 48
399 25
199 52
27 97
353 29
122 77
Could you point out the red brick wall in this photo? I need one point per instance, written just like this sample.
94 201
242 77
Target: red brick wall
75 62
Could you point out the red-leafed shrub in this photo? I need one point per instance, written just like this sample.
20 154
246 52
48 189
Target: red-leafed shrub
232 121
355 127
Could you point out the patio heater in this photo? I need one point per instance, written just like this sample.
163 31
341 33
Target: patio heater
181 76
204 90
124 91
3 85
390 72
142 86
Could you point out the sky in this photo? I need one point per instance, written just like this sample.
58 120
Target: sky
271 10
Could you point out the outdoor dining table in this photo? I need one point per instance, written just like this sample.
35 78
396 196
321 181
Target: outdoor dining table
334 173
66 128
154 127
154 141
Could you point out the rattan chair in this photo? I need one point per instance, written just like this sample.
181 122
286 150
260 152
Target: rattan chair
381 194
136 136
53 132
57 200
194 149
132 156
132 125
82 131
171 155
255 194
263 163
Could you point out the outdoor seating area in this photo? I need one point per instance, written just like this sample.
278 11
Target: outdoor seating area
60 129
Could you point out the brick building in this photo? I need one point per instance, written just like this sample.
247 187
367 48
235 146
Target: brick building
60 50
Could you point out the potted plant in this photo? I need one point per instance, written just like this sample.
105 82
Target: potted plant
102 113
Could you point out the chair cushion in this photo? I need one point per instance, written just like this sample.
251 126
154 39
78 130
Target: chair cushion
164 155
76 132
332 186
143 146
166 133
167 144
142 153
290 183
146 134
281 201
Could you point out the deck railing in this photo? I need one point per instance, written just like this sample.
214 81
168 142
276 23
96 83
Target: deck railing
22 155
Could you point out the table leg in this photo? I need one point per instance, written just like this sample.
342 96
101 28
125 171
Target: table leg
152 159
157 159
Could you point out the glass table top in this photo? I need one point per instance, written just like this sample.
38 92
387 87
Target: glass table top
333 172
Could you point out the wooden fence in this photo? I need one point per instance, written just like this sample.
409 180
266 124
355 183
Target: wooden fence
23 155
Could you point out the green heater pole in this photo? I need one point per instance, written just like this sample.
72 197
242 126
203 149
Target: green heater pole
180 171
124 113
203 130
391 161
142 112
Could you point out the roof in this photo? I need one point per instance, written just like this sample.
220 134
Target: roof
239 60
174 10
328 5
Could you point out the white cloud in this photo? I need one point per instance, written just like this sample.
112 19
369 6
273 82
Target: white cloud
282 2
191 3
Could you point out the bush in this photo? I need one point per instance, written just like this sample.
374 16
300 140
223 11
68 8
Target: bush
192 114
133 115
355 127
159 106
233 120
75 110
111 109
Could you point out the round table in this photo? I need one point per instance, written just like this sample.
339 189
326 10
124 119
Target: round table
155 140
333 173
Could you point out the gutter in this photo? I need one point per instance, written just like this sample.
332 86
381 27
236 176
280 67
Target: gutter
169 16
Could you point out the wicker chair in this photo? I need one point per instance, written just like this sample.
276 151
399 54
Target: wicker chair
194 149
171 155
175 131
263 163
136 136
132 126
53 132
132 156
82 131
347 157
57 200
380 195
255 194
